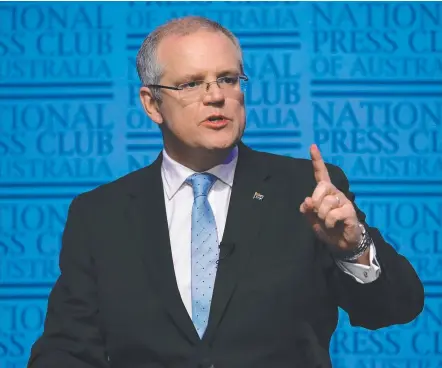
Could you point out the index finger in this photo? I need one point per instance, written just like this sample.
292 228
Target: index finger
319 168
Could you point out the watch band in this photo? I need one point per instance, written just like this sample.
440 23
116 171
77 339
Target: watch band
353 255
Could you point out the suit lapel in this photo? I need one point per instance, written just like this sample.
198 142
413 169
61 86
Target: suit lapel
244 217
148 224
148 219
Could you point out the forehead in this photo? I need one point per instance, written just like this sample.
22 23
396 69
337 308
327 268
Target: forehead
203 52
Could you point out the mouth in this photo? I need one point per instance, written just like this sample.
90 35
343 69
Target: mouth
216 121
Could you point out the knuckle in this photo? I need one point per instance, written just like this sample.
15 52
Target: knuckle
316 202
350 209
331 200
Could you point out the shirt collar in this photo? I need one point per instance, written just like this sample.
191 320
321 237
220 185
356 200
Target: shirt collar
175 174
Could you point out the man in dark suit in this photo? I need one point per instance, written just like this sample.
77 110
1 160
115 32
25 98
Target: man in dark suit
215 255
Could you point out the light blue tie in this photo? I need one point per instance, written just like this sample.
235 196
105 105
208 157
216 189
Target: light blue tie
204 250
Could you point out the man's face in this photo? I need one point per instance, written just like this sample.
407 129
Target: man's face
203 55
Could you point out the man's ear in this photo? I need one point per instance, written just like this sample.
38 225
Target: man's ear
150 105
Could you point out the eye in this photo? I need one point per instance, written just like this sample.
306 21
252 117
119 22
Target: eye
191 85
228 80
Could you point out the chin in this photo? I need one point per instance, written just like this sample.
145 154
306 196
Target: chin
217 147
223 140
222 144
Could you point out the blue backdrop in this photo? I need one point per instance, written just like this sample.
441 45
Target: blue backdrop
362 80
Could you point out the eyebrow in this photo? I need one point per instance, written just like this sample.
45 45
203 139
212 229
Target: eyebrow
195 76
200 76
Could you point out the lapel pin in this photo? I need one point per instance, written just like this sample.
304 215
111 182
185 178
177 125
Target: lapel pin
258 196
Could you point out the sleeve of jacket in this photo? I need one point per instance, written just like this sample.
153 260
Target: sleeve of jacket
71 336
395 297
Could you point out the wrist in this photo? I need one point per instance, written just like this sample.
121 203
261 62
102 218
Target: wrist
364 259
361 252
359 238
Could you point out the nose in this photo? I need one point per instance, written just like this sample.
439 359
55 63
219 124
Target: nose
213 94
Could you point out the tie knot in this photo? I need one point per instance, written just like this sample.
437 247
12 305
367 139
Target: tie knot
201 183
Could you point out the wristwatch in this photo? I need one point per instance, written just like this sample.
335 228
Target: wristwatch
353 255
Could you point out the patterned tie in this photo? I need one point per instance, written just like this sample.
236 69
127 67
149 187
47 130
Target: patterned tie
204 250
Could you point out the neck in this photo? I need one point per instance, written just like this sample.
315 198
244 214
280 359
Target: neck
199 159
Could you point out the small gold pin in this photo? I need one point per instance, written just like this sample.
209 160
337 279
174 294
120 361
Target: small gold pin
258 196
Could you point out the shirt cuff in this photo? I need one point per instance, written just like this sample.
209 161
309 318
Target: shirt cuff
362 273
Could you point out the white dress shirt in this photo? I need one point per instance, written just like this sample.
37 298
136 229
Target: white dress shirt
179 201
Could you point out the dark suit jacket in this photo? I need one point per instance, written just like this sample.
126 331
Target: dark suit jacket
277 290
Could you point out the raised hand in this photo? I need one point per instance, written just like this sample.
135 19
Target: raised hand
331 214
